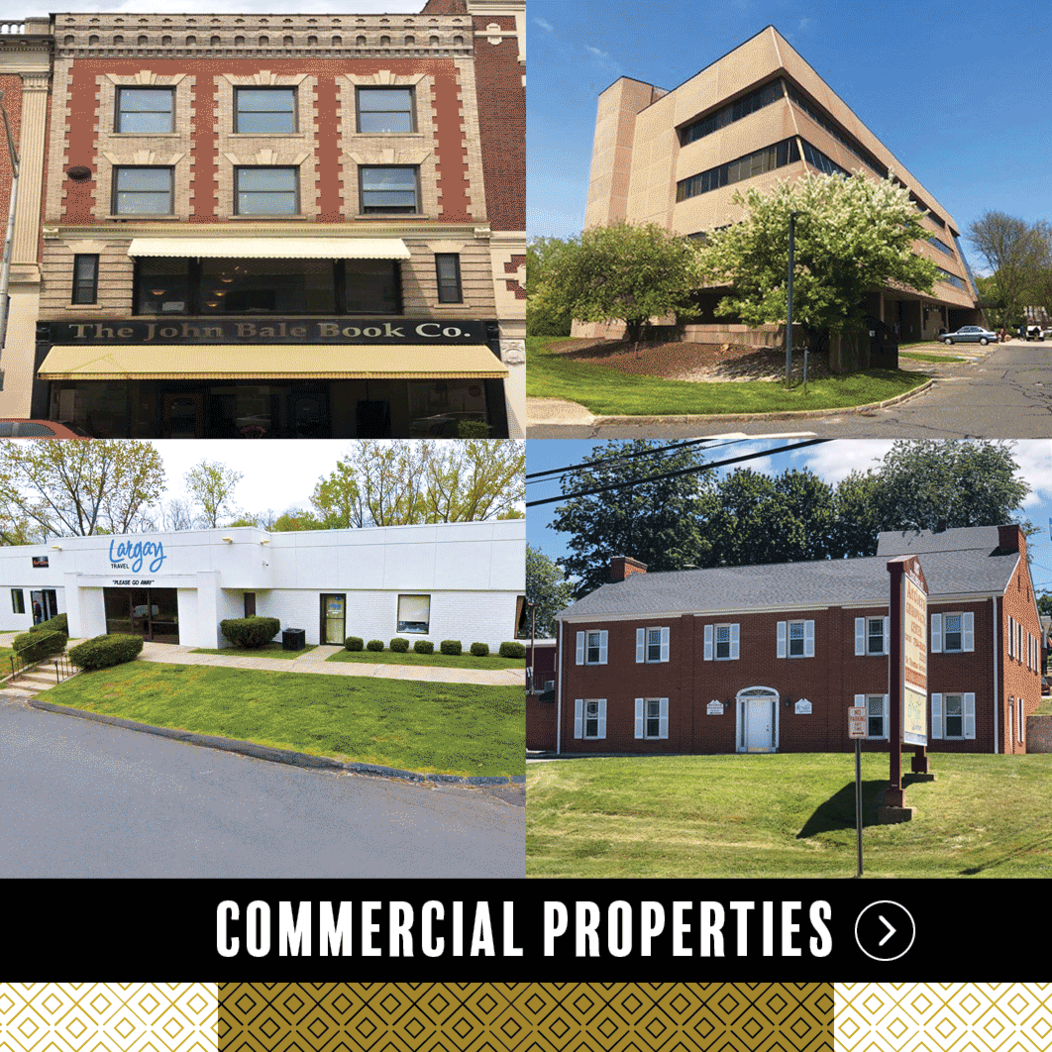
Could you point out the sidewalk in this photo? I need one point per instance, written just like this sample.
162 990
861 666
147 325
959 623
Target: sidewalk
315 661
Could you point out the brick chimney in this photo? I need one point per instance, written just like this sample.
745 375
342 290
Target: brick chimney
1011 538
621 566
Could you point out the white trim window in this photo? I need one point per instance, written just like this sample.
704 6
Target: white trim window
652 718
651 645
871 636
722 642
589 718
796 639
592 647
953 633
953 717
876 706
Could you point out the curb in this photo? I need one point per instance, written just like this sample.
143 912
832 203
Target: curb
788 414
285 756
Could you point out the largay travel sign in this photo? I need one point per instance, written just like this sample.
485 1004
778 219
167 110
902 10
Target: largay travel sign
131 555
281 330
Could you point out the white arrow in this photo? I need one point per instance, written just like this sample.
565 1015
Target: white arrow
891 930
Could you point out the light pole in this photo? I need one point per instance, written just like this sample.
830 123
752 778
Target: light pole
533 644
5 272
789 308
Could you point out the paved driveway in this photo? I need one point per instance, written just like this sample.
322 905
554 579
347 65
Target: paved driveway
1007 393
83 799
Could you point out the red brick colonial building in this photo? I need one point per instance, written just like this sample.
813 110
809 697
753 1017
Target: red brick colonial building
769 658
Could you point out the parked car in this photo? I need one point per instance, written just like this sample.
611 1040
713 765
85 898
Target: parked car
970 334
40 429
1033 332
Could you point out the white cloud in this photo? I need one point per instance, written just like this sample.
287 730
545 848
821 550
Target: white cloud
547 26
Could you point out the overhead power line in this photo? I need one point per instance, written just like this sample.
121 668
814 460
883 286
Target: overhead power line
677 474
630 456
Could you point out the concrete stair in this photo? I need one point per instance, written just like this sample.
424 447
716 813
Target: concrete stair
41 677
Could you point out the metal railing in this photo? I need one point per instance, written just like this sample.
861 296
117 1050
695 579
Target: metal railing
20 664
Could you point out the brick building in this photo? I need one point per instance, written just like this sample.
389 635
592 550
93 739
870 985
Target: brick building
755 116
282 226
769 658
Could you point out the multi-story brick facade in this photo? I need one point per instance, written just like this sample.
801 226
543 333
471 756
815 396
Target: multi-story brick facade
278 225
769 658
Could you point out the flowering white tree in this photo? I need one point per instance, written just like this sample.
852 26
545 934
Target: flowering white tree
853 235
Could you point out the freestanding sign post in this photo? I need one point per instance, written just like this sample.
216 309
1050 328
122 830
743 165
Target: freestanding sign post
856 729
907 679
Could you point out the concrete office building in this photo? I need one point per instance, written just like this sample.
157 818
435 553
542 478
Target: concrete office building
757 115
448 581
281 226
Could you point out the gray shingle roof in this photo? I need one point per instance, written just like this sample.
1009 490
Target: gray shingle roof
916 542
786 585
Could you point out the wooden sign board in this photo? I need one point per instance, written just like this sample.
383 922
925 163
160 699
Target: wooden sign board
856 722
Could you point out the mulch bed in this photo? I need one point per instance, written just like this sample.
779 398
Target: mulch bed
693 362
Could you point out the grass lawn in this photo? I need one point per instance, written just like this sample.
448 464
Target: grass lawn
785 816
271 650
389 657
607 392
444 728
5 654
920 356
1045 708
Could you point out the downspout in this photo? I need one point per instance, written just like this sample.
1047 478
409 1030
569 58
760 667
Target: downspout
559 694
997 704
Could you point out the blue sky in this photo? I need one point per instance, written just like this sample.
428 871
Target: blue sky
831 461
957 91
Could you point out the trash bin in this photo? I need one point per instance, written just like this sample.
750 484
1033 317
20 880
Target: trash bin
293 639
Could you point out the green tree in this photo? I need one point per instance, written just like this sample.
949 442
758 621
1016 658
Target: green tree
542 319
853 235
295 520
1012 250
764 519
547 588
63 489
211 486
657 522
621 273
932 485
400 483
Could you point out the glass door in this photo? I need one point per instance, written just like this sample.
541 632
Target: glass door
333 619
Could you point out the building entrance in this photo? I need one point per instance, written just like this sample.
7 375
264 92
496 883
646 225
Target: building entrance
757 720
152 613
45 604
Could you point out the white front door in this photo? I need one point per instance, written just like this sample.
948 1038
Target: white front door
757 721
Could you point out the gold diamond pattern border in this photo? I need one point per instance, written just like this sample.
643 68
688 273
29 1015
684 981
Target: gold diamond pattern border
943 1017
108 1017
525 1017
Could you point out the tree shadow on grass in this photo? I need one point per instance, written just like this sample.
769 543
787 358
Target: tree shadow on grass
838 812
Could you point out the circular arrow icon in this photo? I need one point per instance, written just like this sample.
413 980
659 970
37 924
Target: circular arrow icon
885 930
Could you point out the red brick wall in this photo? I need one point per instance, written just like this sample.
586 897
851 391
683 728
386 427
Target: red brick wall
540 723
1018 681
829 680
502 123
82 208
11 86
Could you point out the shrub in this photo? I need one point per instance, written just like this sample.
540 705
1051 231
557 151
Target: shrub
480 649
472 429
35 646
400 646
375 645
423 646
250 632
512 650
450 646
58 623
354 643
104 651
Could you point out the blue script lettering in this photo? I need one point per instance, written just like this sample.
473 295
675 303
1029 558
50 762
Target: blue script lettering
136 551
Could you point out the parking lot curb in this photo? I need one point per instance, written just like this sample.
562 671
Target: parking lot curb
286 756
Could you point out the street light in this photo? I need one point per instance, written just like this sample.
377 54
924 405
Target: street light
789 308
5 272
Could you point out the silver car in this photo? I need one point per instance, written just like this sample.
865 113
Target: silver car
970 334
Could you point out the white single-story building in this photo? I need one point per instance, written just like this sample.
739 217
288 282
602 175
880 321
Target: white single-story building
462 580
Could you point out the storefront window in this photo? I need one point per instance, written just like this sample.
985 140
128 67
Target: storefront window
436 409
263 286
372 286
